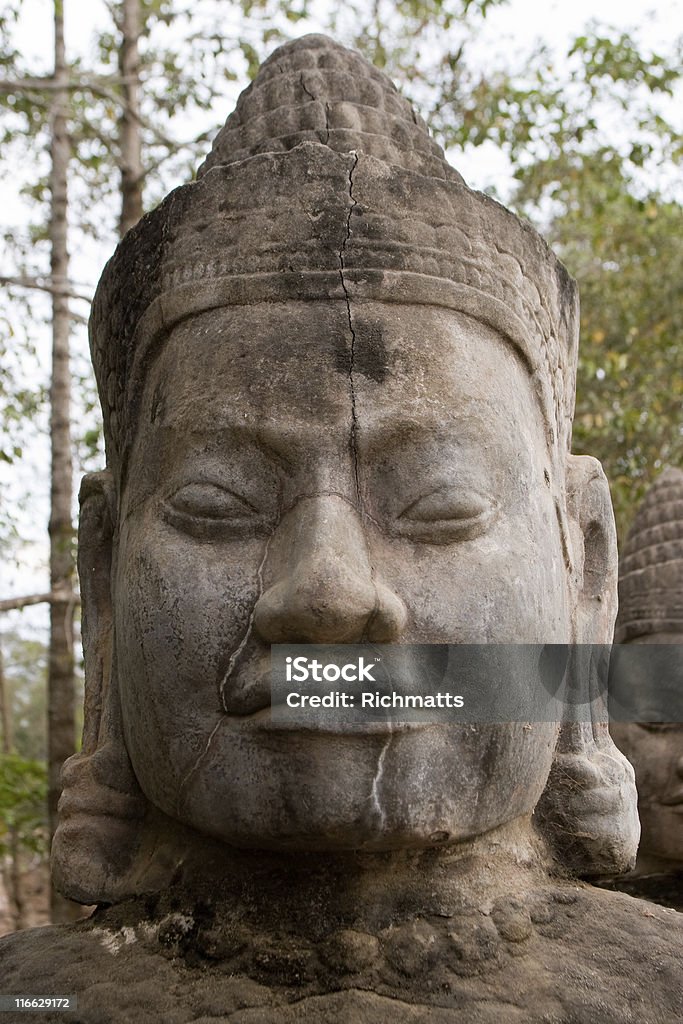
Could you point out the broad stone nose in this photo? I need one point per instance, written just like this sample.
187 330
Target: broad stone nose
325 590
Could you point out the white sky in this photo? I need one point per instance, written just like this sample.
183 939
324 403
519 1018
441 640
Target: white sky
508 31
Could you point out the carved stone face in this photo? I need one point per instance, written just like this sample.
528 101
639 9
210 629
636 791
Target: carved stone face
239 528
656 753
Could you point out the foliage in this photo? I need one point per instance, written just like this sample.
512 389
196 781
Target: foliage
627 255
23 799
594 148
25 662
548 116
19 401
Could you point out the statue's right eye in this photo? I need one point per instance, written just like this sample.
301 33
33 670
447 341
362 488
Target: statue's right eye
205 509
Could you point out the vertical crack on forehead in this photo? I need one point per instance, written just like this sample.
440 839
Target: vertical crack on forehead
352 384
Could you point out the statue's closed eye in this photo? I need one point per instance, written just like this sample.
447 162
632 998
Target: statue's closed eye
446 515
205 509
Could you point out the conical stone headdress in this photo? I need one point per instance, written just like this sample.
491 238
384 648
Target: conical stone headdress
651 567
325 184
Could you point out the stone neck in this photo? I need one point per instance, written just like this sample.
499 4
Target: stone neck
356 888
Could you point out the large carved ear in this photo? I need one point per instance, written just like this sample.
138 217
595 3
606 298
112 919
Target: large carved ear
95 538
593 551
101 807
588 810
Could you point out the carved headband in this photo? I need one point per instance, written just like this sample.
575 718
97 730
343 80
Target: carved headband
351 201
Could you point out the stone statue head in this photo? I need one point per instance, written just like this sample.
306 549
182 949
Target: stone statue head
651 612
338 389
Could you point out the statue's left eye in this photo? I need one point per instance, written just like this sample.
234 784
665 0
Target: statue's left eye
446 515
200 508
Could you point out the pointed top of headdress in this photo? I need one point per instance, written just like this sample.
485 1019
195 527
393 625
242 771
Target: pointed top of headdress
315 90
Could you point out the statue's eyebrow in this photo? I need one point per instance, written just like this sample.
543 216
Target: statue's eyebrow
268 440
387 430
275 452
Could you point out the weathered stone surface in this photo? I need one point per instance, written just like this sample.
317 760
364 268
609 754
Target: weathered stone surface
651 612
592 956
337 387
651 567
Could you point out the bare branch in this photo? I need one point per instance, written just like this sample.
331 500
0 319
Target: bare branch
153 165
9 604
9 85
43 284
101 87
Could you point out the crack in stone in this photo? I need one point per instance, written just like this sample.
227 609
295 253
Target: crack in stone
305 89
354 421
365 635
342 267
195 767
374 792
234 657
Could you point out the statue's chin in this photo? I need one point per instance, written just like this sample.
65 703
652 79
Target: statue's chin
342 839
347 792
327 828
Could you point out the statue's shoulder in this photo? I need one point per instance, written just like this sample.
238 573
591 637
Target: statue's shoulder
563 952
617 957
115 977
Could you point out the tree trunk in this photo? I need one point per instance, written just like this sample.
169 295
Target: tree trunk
129 124
61 717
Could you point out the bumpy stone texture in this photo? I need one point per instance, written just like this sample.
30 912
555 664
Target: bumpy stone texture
651 612
338 388
559 953
651 565
314 90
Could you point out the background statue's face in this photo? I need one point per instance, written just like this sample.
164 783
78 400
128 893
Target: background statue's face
656 753
239 527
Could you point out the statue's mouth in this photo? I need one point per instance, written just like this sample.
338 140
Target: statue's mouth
362 703
249 703
246 695
273 719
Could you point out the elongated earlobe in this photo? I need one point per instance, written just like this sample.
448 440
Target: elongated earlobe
588 810
101 808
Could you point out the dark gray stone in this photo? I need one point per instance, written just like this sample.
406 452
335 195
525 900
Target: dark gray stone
651 612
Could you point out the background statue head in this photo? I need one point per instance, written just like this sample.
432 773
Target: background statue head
651 612
337 388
